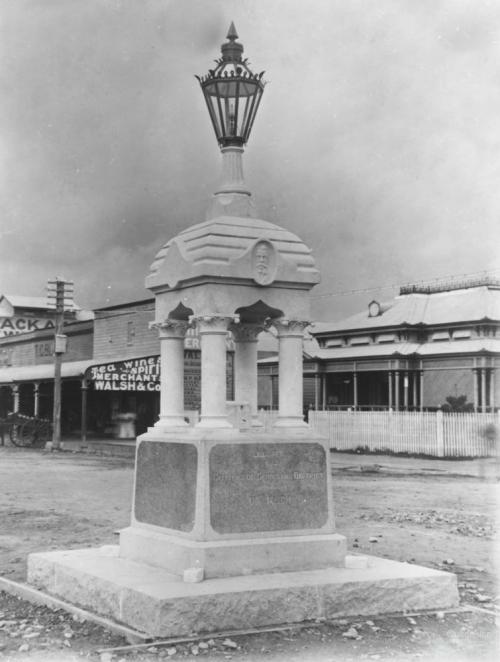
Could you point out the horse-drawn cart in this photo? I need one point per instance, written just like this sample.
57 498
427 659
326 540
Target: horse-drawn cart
27 430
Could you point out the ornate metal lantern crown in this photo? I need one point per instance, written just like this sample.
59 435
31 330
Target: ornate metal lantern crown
232 93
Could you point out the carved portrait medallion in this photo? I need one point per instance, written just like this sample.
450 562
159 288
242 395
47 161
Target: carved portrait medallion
264 262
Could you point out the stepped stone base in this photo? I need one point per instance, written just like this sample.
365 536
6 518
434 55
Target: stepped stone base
154 601
226 558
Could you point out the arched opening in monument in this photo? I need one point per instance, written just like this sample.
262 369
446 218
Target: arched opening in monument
180 312
258 313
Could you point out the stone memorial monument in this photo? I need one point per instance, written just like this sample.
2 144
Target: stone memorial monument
232 527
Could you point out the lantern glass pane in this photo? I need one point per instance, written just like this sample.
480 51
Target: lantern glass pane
214 114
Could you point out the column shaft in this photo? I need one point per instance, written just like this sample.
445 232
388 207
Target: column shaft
172 333
290 337
245 366
213 333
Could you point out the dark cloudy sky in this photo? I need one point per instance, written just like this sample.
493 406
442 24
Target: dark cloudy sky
377 140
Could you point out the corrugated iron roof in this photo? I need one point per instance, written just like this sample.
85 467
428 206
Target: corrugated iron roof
467 305
20 301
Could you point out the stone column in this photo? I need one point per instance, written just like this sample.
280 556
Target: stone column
245 366
172 333
389 383
213 331
290 337
355 389
414 389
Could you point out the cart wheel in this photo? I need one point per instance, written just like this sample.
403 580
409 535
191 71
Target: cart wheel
14 434
25 435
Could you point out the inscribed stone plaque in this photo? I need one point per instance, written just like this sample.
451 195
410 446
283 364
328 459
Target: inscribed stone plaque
165 488
268 487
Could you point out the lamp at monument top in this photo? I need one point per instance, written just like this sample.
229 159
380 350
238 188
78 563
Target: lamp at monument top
232 93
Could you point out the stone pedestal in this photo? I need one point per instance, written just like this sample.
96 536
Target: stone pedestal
230 530
231 503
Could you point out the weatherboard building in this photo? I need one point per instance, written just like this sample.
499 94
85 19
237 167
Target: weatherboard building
430 342
110 371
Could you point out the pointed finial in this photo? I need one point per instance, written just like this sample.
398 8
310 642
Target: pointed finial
232 34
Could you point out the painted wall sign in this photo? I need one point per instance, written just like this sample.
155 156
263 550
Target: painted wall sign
132 375
13 326
43 349
144 375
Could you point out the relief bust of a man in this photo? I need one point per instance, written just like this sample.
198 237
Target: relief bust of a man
264 262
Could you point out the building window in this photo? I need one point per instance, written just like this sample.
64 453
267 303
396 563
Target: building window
360 340
440 335
334 342
130 333
462 333
386 337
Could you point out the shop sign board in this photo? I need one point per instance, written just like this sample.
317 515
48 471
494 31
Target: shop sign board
143 374
13 326
133 375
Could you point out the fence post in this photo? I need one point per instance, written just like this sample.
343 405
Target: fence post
440 433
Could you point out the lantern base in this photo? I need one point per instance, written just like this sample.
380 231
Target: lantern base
231 204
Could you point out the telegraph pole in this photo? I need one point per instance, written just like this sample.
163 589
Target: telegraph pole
60 297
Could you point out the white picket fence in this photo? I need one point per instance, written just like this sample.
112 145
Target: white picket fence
429 433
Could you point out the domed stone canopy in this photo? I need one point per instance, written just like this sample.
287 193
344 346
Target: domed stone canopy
230 248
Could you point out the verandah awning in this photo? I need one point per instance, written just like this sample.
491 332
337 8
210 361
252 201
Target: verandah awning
35 373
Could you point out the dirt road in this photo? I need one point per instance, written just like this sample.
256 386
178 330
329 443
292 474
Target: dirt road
59 500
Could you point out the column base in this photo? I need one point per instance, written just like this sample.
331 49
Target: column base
172 421
290 422
214 422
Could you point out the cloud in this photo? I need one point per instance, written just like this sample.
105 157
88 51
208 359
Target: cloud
376 140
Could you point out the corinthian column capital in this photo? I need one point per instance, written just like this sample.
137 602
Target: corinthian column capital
171 328
213 324
290 328
246 332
